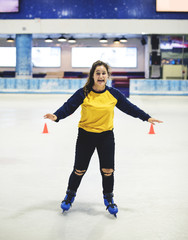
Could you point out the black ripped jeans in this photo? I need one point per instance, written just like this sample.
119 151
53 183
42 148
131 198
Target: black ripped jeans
86 143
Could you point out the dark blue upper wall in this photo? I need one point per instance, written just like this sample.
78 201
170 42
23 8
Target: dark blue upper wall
90 9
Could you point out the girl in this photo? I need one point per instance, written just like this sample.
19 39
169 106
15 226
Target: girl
95 130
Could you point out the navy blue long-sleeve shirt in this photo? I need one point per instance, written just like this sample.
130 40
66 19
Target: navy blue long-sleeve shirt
97 112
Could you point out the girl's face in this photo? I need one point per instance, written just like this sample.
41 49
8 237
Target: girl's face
100 77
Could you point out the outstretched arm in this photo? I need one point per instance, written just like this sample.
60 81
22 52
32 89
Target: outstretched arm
127 107
50 116
68 107
153 120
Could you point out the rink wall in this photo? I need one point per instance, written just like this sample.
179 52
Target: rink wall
64 86
40 85
158 87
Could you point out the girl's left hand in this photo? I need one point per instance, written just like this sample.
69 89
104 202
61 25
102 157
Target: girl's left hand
153 120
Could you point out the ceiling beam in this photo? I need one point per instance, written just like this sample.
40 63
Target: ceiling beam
130 26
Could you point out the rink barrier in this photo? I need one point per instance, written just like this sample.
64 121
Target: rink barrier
158 87
40 85
69 86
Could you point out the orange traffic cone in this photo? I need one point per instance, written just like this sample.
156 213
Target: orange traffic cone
151 131
45 130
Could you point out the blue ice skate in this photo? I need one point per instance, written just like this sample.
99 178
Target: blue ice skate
109 203
69 199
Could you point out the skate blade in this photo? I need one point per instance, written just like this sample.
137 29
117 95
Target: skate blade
115 215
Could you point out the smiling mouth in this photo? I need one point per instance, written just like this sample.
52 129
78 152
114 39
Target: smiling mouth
100 80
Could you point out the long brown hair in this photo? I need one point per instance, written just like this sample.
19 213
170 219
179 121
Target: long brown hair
90 81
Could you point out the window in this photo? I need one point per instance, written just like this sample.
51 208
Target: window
120 57
7 56
41 56
46 56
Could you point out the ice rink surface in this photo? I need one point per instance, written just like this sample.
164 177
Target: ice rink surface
151 176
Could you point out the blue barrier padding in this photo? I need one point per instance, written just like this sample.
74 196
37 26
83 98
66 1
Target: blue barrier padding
40 84
158 87
137 86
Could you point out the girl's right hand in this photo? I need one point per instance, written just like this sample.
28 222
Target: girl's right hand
50 116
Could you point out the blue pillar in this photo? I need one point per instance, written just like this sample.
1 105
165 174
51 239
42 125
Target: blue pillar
23 55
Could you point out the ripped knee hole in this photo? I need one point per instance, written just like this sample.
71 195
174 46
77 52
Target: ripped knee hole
107 172
79 172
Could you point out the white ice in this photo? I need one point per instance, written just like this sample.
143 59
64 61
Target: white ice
151 177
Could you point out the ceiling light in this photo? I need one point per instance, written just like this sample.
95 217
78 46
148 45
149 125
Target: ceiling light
72 40
123 40
10 39
103 40
48 40
116 41
62 39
